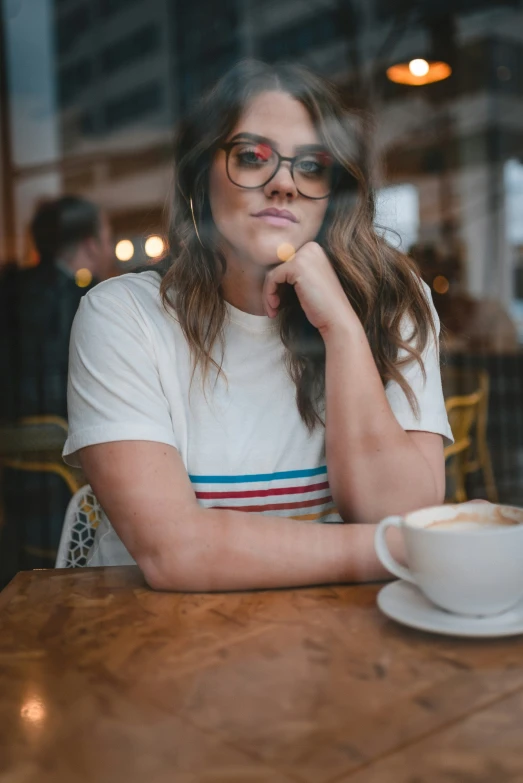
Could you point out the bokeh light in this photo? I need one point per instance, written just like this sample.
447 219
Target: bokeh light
124 250
83 278
154 246
418 67
33 710
285 251
440 284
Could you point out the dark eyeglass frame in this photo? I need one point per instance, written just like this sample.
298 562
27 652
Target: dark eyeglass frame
281 158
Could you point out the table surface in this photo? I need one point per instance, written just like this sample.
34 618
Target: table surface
104 680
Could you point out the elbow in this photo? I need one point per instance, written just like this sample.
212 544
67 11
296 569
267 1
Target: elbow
154 571
172 576
182 564
155 576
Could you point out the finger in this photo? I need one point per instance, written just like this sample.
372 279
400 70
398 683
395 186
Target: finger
276 277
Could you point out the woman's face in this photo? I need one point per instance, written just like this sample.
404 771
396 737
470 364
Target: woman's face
272 119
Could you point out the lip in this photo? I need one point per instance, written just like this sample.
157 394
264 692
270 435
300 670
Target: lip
277 217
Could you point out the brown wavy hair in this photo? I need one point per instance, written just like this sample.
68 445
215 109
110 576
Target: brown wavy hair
381 283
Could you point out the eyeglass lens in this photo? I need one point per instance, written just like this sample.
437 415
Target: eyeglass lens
253 164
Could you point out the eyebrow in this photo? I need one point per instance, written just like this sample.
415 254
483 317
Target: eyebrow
272 143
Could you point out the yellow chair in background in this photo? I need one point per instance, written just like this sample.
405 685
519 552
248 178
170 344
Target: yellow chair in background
468 415
480 459
462 412
32 445
35 444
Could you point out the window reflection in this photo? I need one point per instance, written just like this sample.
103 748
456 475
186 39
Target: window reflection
92 90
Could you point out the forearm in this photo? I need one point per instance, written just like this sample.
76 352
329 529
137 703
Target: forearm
234 550
374 468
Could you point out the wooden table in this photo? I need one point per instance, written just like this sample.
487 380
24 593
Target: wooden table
103 680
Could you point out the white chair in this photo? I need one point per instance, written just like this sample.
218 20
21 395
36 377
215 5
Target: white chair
82 517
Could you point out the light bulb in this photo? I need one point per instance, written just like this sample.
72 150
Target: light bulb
124 250
419 67
154 246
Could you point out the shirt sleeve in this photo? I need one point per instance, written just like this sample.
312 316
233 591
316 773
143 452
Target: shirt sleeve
114 388
431 415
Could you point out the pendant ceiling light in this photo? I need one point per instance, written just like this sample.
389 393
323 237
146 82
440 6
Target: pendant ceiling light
435 67
419 71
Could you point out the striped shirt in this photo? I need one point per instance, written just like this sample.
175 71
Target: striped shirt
300 494
240 436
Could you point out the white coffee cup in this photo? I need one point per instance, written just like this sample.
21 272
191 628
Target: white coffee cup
466 558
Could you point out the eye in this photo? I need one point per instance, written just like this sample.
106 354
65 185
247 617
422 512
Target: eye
316 164
309 166
252 154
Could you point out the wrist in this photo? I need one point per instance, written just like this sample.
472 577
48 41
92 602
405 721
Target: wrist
346 327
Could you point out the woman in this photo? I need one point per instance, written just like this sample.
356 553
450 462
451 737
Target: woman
233 385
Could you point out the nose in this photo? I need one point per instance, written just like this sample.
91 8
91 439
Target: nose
282 184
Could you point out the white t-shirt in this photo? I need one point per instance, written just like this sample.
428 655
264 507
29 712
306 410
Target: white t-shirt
242 440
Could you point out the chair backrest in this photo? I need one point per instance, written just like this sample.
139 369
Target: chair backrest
33 434
462 382
462 411
82 517
34 444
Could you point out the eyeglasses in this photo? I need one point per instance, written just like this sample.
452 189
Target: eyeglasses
252 164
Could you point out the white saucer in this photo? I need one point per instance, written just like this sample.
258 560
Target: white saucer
403 602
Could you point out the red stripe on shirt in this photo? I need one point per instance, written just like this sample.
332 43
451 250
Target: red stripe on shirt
280 506
263 493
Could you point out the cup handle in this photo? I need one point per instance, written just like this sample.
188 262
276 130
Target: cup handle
382 550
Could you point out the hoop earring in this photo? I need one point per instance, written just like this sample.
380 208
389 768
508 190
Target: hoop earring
194 222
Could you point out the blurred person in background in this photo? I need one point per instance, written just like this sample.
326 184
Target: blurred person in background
73 242
72 239
281 379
